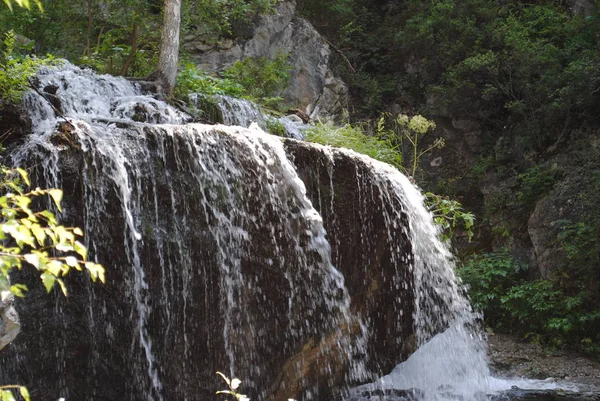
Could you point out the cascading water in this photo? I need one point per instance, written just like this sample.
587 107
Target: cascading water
451 361
217 260
243 113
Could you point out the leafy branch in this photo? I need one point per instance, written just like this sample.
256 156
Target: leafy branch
34 238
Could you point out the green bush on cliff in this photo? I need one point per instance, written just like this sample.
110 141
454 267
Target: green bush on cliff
192 80
264 80
354 138
255 78
16 70
550 311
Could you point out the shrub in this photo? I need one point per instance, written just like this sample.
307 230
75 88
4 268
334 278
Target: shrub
192 80
353 137
544 311
488 277
264 80
15 70
276 127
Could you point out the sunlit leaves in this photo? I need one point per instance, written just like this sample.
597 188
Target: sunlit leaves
36 238
24 3
6 393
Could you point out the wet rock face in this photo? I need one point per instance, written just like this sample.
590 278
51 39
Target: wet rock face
312 86
354 219
165 337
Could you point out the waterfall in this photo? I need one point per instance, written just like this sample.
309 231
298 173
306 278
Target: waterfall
200 227
300 269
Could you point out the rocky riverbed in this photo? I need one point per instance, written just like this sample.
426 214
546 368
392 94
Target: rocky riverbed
510 357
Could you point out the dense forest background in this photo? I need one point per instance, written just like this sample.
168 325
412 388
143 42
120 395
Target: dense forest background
514 89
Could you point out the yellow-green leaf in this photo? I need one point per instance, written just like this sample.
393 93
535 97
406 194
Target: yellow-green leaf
55 267
23 174
80 249
18 290
39 233
56 195
63 287
24 393
48 280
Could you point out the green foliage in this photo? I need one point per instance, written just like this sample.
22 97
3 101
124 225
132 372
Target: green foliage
353 137
263 80
276 127
544 311
579 241
191 80
553 317
36 238
533 184
531 68
448 214
488 278
256 78
15 70
223 17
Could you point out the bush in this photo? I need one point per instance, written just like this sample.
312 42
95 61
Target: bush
544 311
488 277
191 80
276 127
15 70
353 137
263 80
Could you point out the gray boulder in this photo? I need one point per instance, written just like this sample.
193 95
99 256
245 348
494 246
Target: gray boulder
313 86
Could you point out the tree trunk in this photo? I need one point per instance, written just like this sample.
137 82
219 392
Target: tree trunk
166 72
131 57
88 47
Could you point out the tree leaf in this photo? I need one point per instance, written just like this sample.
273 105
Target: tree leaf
39 233
56 195
23 173
24 393
33 259
63 287
72 261
48 279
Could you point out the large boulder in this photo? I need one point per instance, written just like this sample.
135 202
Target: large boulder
313 86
